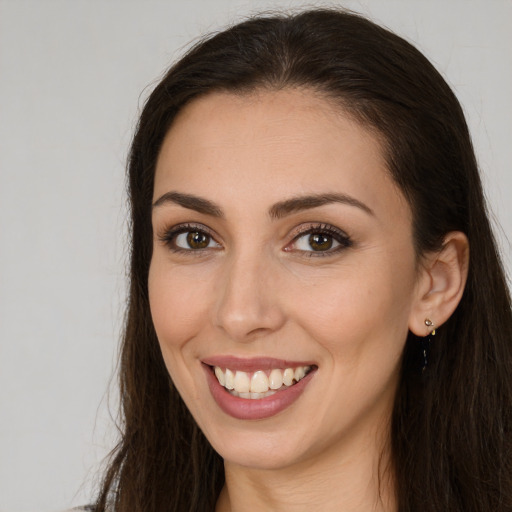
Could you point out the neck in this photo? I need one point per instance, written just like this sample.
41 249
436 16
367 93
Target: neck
354 477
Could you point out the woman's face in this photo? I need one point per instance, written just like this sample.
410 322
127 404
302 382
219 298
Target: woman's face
283 262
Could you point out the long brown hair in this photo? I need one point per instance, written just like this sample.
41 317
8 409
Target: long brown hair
451 432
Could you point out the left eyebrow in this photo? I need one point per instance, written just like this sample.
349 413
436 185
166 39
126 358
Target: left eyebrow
284 208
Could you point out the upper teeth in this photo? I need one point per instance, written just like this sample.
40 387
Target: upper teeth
260 381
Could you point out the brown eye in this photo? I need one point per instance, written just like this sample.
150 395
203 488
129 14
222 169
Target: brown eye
190 240
316 242
320 241
197 240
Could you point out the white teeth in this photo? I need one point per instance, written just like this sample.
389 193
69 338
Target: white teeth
220 376
230 379
242 382
251 396
275 379
259 382
299 373
259 385
288 376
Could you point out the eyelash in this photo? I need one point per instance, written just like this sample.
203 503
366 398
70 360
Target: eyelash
170 235
337 235
344 241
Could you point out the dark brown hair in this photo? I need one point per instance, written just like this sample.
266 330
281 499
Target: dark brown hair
451 430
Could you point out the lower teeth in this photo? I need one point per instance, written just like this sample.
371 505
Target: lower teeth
255 396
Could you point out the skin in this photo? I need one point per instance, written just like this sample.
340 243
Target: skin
258 290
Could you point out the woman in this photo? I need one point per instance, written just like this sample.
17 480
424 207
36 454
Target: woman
306 329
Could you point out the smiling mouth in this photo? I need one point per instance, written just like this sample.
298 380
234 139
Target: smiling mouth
261 383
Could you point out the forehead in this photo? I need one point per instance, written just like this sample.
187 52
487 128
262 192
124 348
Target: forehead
269 144
283 118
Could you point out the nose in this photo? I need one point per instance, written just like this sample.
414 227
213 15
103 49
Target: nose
248 303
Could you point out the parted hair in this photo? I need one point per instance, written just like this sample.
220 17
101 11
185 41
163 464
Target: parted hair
451 443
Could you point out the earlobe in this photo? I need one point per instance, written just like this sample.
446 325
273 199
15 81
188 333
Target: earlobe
441 284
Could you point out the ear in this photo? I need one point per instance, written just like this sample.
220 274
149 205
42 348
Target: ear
441 281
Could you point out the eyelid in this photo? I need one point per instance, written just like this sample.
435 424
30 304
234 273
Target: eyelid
339 235
168 236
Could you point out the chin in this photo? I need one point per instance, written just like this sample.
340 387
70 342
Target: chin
265 453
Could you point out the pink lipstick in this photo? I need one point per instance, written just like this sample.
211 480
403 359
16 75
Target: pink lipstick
288 380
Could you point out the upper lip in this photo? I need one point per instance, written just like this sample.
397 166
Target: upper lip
252 364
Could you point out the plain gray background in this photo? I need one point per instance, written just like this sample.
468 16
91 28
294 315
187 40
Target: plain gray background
72 76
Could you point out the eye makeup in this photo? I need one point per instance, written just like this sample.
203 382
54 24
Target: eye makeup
199 238
309 240
319 240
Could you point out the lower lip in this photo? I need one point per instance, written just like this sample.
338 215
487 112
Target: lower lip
254 409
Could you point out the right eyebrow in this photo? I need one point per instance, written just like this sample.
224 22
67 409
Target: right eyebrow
191 202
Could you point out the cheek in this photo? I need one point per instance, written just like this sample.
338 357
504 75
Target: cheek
178 302
179 305
357 309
